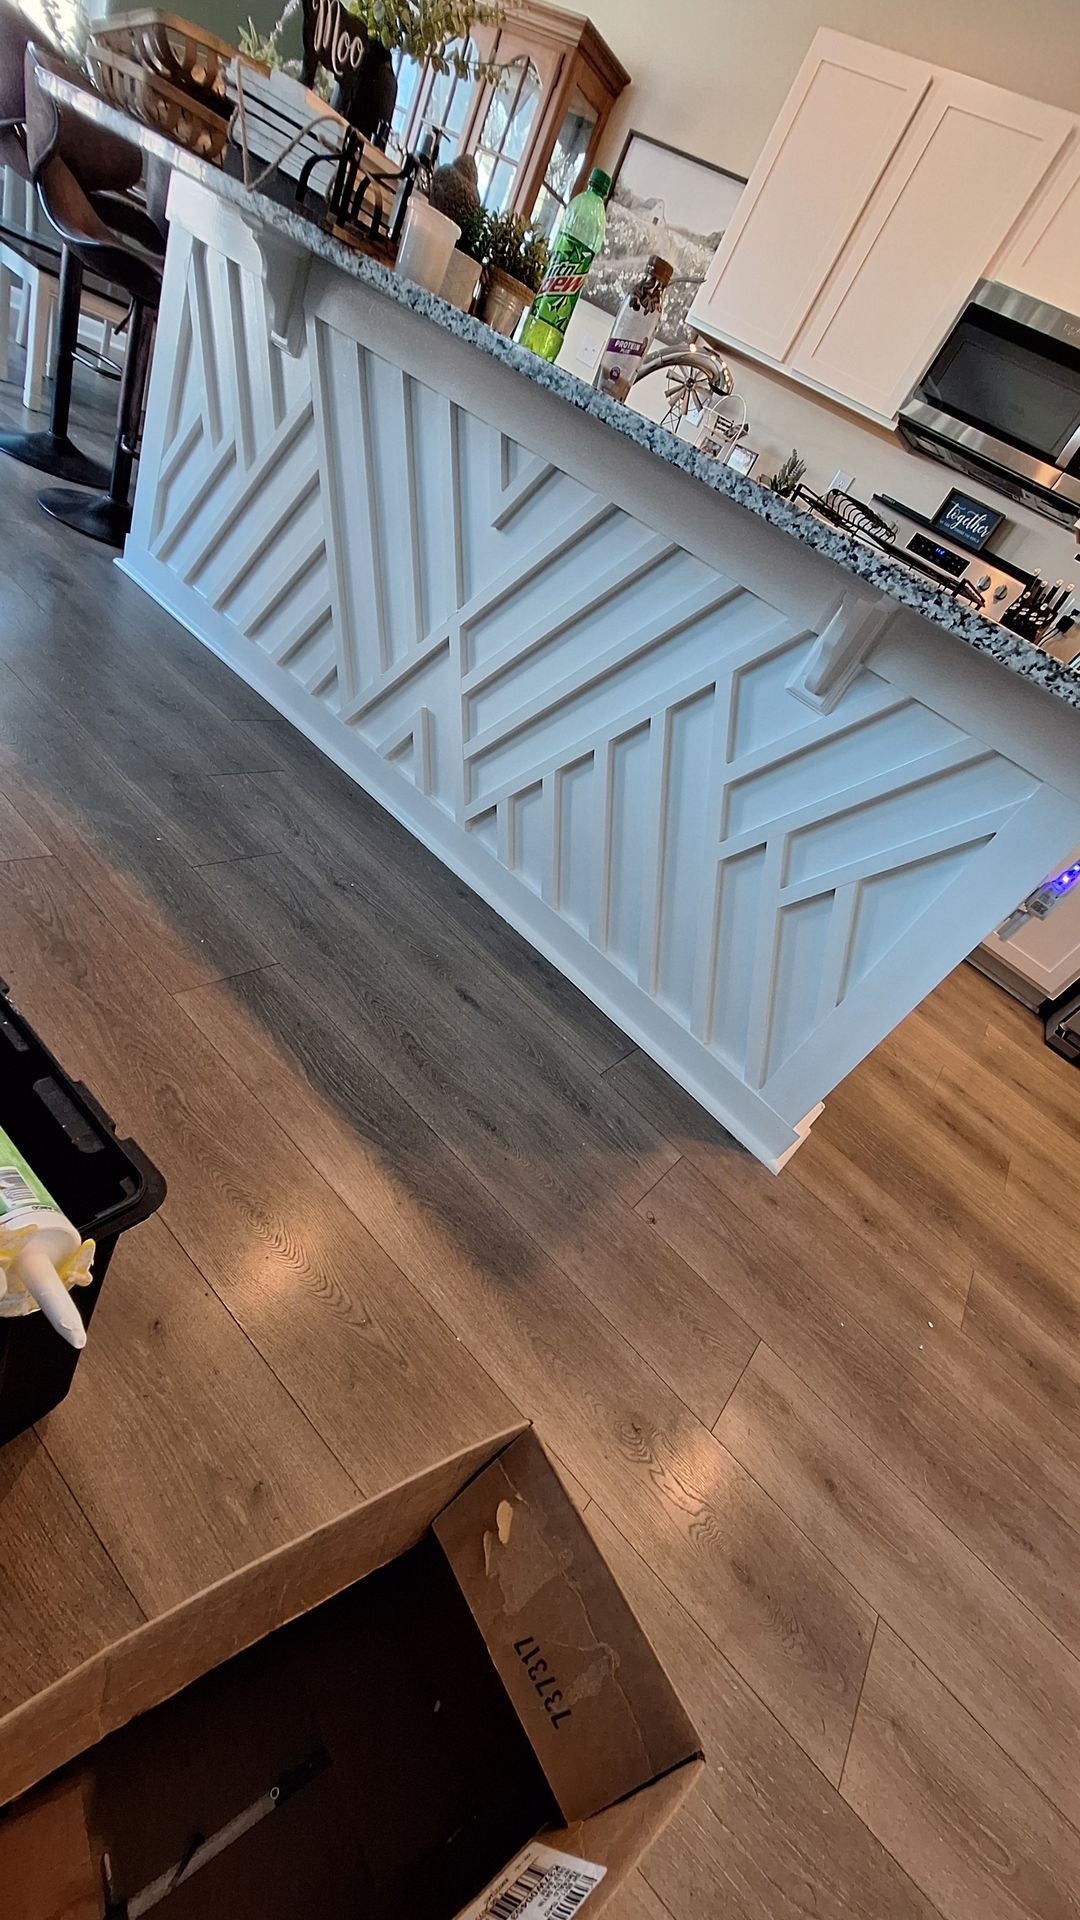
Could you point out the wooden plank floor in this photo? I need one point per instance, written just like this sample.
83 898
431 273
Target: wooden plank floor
827 1427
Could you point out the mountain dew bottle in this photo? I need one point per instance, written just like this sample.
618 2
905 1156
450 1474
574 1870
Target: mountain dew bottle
578 239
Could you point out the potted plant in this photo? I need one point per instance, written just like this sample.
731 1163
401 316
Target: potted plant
514 262
788 477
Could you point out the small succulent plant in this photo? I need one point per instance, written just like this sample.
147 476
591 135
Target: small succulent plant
788 476
505 243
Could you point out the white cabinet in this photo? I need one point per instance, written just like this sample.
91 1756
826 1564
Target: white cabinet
837 130
960 178
886 189
1043 256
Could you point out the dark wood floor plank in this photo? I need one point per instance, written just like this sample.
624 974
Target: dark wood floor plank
763 1837
1008 1670
865 1244
1039 1084
174 722
969 1828
158 903
135 837
755 1581
543 1133
380 1377
857 1166
18 841
943 1446
878 1134
61 1598
186 1454
1041 1355
334 829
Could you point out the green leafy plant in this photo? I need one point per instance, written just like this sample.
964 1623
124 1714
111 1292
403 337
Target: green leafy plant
474 233
264 47
505 243
434 30
787 477
267 49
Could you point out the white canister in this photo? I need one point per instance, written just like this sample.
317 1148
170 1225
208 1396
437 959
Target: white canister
428 239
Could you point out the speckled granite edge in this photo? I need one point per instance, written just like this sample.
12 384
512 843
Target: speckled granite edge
876 569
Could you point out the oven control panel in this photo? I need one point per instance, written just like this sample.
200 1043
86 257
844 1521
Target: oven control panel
996 586
945 558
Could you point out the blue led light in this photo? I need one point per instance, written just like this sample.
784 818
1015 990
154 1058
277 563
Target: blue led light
1066 881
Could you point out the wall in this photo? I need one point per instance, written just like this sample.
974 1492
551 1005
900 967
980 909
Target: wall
710 75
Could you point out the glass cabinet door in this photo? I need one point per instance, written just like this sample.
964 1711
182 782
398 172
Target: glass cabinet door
564 167
532 121
441 105
505 133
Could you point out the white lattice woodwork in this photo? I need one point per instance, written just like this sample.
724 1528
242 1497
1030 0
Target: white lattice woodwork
574 674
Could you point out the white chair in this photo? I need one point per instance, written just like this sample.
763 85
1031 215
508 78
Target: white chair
35 288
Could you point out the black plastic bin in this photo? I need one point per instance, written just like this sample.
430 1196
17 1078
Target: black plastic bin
104 1185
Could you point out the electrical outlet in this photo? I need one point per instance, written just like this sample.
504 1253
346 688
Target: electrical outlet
841 482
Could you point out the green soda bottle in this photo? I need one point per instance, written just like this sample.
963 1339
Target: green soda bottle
578 239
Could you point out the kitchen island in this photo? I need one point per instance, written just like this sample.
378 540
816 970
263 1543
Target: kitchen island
752 787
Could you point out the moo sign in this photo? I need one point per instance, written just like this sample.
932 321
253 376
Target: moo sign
333 39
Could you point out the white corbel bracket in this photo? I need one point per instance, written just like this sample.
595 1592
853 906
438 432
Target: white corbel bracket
838 652
285 269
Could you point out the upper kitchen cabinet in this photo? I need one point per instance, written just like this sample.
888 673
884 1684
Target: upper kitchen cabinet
962 175
1043 256
887 187
535 129
837 131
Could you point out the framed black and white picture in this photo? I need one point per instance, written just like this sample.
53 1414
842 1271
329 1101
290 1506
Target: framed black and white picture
662 201
742 458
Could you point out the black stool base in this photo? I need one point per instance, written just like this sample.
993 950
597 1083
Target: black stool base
99 517
54 453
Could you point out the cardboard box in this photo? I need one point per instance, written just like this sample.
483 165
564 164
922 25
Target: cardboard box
439 1704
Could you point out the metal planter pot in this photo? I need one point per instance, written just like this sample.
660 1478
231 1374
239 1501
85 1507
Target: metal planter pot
503 300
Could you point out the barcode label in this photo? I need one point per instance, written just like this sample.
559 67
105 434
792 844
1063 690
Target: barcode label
14 1191
540 1884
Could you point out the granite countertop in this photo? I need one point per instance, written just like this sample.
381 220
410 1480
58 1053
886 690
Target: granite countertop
876 569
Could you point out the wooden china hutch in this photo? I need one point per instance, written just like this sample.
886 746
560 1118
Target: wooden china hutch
537 129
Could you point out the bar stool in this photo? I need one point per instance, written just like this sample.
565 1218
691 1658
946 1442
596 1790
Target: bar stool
111 237
112 166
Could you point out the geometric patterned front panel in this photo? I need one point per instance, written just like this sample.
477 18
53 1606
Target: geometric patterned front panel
595 709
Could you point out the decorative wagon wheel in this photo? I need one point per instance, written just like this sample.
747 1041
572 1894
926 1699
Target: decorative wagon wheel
687 391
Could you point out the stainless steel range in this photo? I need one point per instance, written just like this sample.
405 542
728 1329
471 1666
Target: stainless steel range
907 537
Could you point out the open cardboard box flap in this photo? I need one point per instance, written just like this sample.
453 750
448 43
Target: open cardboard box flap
603 1724
596 1705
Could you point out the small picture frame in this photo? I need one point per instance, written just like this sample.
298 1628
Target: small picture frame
742 458
971 523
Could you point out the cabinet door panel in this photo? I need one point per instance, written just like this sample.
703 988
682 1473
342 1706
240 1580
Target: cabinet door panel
836 132
960 180
1043 258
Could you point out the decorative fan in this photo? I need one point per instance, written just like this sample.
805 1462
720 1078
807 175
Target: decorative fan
687 391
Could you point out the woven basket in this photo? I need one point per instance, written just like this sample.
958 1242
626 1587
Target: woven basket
183 117
185 55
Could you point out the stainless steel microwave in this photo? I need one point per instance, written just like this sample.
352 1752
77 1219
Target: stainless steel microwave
1001 400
